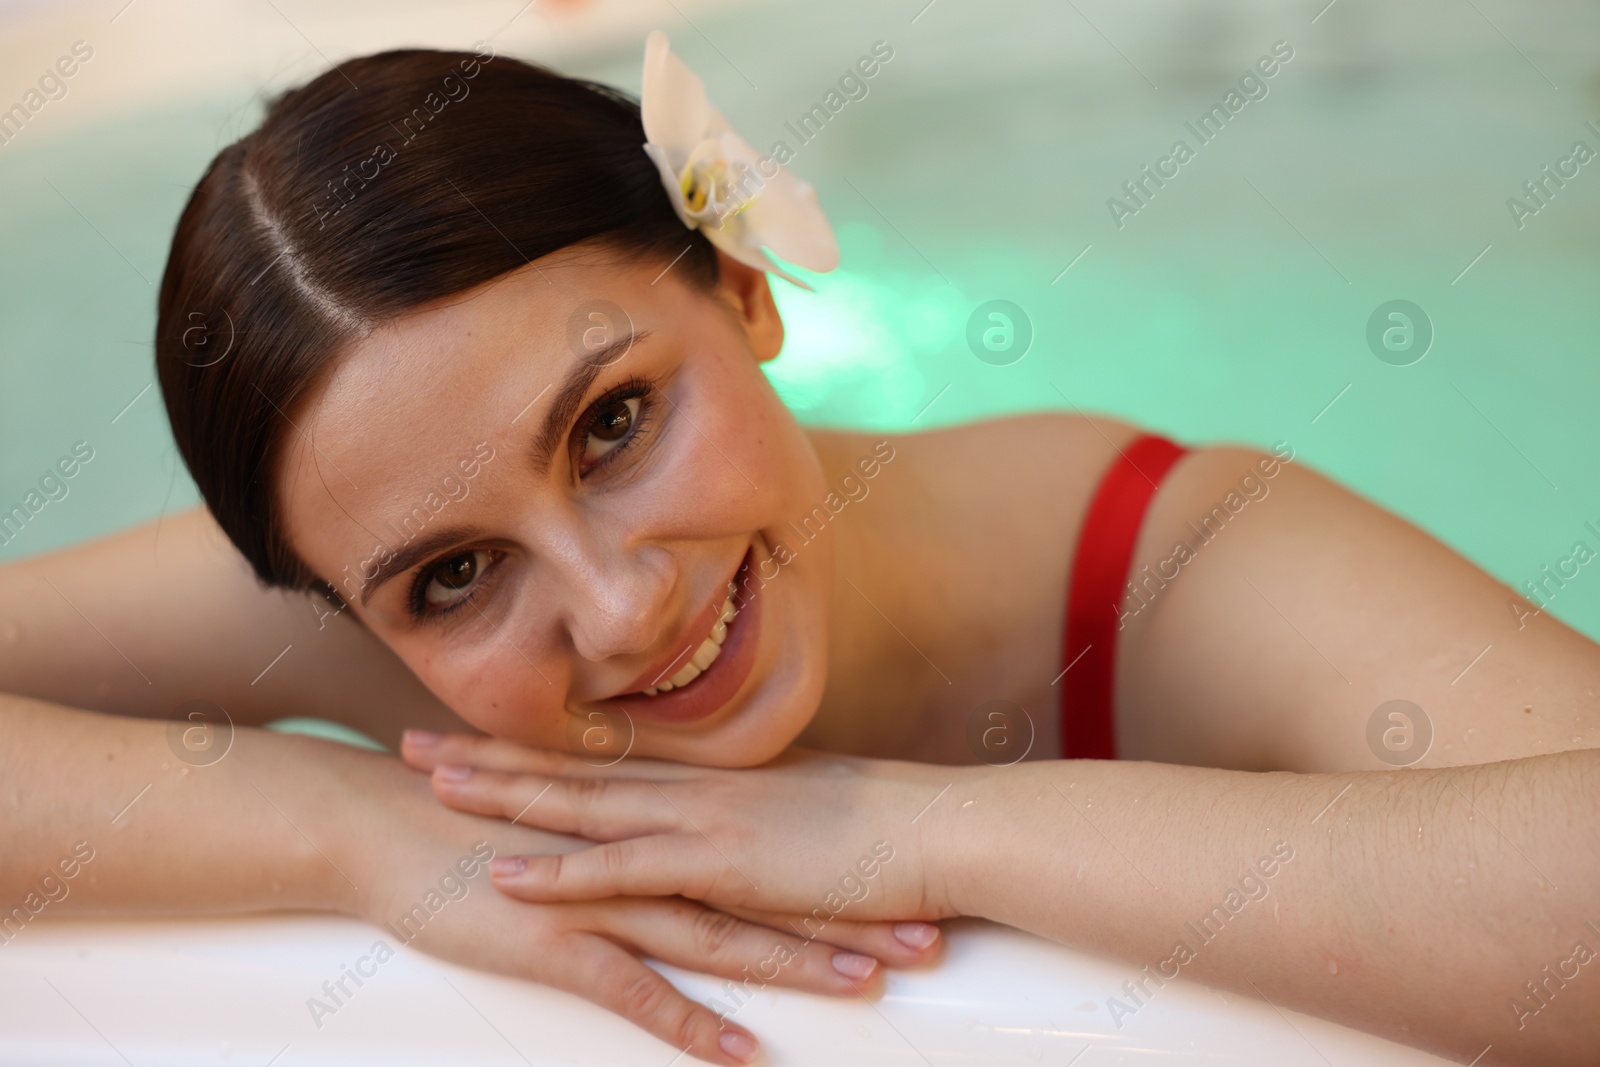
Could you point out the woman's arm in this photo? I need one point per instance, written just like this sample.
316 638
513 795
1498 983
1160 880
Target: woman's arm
1302 608
152 833
144 621
110 815
1435 908
1450 909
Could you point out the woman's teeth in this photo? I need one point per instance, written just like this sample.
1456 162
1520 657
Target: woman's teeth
706 654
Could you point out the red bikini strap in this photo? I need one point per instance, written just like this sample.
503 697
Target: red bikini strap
1099 571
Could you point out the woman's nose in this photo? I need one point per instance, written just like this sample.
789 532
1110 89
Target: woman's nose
620 601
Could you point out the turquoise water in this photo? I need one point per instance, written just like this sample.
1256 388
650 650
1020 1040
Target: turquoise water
1232 306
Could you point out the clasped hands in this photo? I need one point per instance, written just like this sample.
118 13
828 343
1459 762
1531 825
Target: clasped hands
815 836
839 859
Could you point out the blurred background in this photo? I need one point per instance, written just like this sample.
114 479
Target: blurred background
1248 298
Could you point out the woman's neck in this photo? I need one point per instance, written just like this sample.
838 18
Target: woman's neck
938 605
881 691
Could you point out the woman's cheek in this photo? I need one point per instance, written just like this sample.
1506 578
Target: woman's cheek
719 476
772 447
489 690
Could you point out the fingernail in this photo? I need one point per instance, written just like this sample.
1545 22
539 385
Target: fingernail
916 935
422 738
451 772
853 965
508 865
741 1047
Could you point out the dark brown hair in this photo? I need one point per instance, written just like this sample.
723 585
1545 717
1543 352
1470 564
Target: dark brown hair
385 184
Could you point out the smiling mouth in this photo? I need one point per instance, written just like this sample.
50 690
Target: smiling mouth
704 655
705 677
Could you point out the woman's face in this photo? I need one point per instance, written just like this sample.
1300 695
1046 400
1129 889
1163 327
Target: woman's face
542 517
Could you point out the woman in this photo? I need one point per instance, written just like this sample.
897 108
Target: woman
442 351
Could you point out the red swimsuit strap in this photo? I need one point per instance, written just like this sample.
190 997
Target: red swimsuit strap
1099 571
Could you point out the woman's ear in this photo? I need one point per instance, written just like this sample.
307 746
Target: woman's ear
746 292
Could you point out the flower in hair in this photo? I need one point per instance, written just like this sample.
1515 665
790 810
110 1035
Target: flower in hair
718 184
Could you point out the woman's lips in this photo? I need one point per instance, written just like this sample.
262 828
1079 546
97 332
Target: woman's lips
716 685
688 641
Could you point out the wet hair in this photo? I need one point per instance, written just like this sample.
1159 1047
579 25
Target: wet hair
385 184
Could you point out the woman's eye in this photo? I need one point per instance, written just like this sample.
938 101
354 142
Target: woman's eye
452 579
612 424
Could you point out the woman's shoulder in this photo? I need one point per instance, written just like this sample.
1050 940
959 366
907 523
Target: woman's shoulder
1020 483
1055 446
1021 480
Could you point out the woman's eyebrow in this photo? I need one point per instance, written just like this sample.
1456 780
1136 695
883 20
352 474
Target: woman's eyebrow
562 410
565 405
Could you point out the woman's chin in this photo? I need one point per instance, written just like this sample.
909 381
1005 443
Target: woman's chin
766 720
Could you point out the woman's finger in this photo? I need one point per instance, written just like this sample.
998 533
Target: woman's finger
902 944
600 809
425 750
599 970
752 955
661 866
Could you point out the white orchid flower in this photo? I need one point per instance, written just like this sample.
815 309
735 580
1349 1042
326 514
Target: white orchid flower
718 184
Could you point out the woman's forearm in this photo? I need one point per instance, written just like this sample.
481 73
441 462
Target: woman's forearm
102 816
108 815
1451 909
149 619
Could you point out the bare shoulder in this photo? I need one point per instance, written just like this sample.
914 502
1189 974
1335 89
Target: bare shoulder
1272 613
1049 438
1026 479
1029 454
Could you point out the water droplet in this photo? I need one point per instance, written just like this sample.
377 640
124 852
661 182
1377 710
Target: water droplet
1333 966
